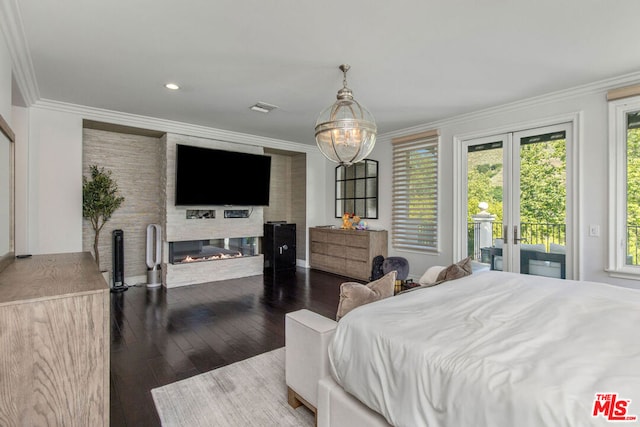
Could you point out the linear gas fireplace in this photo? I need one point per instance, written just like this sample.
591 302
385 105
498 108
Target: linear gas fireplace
212 249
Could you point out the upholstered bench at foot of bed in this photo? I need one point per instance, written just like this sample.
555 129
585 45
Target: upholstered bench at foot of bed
337 408
308 378
307 336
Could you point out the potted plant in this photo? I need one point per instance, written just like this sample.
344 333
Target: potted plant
100 200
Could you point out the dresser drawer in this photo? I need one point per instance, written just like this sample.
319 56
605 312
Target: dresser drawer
357 241
318 248
339 251
316 235
358 269
327 263
357 254
337 238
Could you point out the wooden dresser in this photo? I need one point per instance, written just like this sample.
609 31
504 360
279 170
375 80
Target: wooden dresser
346 252
54 342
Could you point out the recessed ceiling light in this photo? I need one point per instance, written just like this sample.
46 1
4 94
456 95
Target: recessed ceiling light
262 107
172 86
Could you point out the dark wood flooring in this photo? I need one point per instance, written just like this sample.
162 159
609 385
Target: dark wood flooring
161 336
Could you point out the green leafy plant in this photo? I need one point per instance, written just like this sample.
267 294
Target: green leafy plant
100 200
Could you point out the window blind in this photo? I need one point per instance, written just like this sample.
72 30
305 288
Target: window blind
415 192
623 92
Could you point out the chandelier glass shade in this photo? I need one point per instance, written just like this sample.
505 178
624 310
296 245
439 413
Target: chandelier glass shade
346 130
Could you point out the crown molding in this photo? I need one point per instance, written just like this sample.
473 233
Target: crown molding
170 126
23 72
599 87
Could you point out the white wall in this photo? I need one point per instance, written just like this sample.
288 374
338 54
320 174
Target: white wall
592 165
55 182
5 80
21 128
6 150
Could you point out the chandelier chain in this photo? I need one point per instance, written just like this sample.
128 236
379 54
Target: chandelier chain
344 68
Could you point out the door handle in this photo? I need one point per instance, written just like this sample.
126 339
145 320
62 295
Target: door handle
505 234
283 247
515 236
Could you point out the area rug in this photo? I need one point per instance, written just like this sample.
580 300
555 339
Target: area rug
251 392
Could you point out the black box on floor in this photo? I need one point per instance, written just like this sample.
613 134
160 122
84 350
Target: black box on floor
279 246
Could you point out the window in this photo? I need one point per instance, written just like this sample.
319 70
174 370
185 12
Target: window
357 189
624 146
415 192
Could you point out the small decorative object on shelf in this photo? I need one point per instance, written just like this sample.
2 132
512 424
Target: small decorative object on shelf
201 214
355 220
346 221
351 221
362 225
403 285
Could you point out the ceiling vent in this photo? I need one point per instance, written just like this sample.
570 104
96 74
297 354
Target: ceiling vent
263 107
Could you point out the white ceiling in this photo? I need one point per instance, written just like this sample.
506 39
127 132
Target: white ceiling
412 61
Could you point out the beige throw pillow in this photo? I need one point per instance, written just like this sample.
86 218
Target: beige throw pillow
354 294
430 277
455 271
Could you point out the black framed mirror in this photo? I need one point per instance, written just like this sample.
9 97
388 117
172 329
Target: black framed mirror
357 189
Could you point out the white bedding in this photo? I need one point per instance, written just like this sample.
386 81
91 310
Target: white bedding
493 349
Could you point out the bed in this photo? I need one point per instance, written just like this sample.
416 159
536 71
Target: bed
490 349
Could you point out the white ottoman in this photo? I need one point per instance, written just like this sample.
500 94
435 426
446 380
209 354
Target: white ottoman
307 336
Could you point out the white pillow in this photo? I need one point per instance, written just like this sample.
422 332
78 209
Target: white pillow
431 275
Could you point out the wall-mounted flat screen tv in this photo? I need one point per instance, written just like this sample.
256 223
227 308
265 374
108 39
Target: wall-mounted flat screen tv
206 176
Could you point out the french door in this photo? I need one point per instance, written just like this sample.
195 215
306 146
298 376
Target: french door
516 200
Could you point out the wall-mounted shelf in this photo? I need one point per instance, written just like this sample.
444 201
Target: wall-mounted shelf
236 213
201 214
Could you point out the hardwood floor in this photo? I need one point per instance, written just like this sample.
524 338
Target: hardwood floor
161 336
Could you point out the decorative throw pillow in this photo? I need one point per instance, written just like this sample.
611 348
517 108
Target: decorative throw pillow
354 294
430 277
455 271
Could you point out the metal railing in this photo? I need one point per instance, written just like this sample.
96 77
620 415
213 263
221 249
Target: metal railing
633 244
547 233
532 233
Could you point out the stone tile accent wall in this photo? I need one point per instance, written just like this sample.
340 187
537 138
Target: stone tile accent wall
288 195
135 163
279 208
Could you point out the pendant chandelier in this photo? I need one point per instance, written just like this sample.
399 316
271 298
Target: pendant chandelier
345 131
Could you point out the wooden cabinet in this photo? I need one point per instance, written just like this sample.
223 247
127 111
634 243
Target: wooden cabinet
346 252
54 342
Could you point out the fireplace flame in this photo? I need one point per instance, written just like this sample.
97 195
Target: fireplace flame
188 258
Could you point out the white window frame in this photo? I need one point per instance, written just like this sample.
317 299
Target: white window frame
618 187
405 233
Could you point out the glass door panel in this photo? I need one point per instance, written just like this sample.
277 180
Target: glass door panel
485 192
540 208
633 189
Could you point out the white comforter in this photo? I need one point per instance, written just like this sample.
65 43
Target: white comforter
493 349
